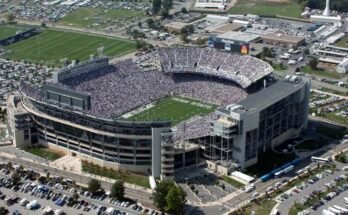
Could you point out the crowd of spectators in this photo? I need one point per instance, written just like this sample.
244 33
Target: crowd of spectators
123 87
243 69
13 72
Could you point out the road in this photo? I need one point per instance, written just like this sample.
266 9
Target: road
286 205
262 186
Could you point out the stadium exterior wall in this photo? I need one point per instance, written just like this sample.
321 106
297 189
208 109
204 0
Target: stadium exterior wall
261 121
125 145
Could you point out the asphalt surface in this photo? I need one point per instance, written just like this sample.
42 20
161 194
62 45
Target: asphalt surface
136 194
284 206
68 210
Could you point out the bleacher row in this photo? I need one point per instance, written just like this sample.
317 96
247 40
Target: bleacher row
243 69
122 87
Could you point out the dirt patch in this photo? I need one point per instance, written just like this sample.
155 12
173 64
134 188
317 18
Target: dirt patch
61 153
327 66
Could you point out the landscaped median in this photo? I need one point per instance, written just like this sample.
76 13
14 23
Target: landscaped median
127 177
232 182
46 153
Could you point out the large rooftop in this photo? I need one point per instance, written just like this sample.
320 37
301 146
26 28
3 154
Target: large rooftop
240 36
270 95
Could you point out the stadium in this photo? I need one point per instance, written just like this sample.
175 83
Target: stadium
152 122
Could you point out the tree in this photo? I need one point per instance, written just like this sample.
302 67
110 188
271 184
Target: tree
183 10
164 13
175 200
156 6
93 186
266 52
16 177
306 51
117 189
160 193
297 69
150 23
313 63
167 4
10 17
3 211
76 196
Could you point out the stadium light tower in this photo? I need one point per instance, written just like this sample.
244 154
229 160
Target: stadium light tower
100 51
327 8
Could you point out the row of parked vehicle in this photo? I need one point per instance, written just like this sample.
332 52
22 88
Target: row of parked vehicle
61 195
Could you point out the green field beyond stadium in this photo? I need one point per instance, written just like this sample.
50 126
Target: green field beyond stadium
50 46
289 8
10 30
87 16
175 109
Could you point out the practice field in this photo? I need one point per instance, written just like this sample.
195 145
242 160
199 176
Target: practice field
9 30
267 7
343 42
86 16
175 109
50 46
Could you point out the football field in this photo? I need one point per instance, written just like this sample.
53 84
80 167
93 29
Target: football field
9 30
50 46
175 109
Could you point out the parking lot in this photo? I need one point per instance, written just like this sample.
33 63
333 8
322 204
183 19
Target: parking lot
32 194
316 193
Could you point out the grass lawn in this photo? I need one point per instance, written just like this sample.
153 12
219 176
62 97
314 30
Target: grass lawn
279 67
311 144
332 116
288 8
46 153
9 30
321 72
175 109
86 16
334 133
51 45
130 178
343 42
342 157
232 182
334 91
269 161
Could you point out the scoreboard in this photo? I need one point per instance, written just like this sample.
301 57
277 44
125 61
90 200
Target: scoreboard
229 45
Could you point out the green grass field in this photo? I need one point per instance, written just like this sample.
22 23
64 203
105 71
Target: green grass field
9 30
171 109
51 45
86 16
232 182
322 72
44 153
343 42
131 178
262 7
311 144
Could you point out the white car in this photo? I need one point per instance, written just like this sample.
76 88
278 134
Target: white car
255 194
249 189
269 189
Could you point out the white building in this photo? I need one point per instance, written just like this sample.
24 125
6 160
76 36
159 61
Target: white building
343 66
